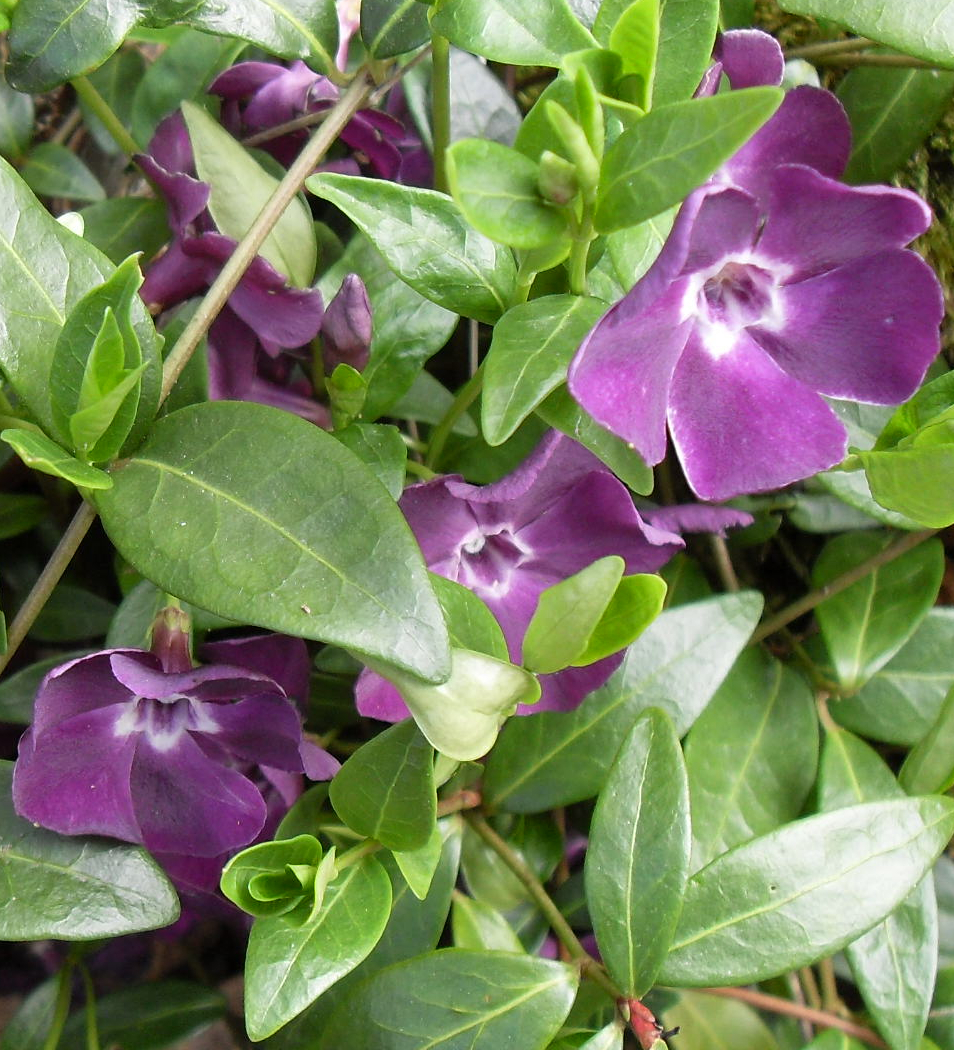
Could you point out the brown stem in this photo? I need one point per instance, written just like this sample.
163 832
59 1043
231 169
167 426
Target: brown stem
791 612
777 1005
891 61
829 47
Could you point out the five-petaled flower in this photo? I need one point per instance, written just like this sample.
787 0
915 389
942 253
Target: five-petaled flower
778 284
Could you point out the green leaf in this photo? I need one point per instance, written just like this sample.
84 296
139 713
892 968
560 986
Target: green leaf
40 453
678 662
635 38
891 111
900 703
895 962
531 33
123 225
495 188
263 879
116 81
637 861
610 1037
751 755
929 766
804 891
470 623
637 601
531 349
463 716
868 622
481 106
941 1019
288 967
52 170
457 1000
708 1023
419 866
426 242
29 1027
20 512
148 1017
337 563
385 791
913 481
16 121
673 149
74 888
239 189
925 30
393 27
476 925
561 411
382 449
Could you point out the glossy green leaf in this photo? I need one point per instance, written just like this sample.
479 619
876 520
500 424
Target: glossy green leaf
708 1023
751 755
393 27
149 1016
901 701
637 601
240 187
609 1037
531 33
478 926
16 121
673 149
470 623
894 963
265 879
913 481
288 967
463 716
426 242
380 448
419 866
481 106
868 622
496 189
925 30
556 758
637 861
408 328
804 891
74 888
336 563
929 766
561 411
385 791
891 112
52 170
635 38
123 225
40 453
457 1000
530 351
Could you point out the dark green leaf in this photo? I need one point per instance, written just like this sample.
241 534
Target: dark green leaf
74 888
337 562
382 449
929 766
385 791
16 121
868 622
751 755
457 1000
392 27
116 81
19 513
891 111
532 346
531 33
476 925
29 1027
72 613
637 861
288 967
52 170
40 453
427 400
804 891
925 30
426 242
677 664
123 225
941 1019
673 149
534 838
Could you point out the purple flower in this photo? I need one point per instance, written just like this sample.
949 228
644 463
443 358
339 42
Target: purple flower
777 285
193 763
558 512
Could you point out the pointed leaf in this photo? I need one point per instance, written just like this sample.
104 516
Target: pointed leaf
288 967
638 857
52 170
804 891
40 453
419 866
337 562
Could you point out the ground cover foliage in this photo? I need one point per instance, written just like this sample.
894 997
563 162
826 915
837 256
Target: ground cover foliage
472 525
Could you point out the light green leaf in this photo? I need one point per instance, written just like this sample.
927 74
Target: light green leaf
637 861
804 891
635 38
477 925
336 563
708 1023
929 766
40 453
419 866
239 189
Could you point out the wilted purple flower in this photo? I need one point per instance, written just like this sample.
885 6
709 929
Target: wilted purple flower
777 285
558 512
187 761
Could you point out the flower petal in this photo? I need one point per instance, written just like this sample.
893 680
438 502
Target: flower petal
814 223
697 517
740 424
77 687
750 58
725 222
263 729
867 330
377 698
280 657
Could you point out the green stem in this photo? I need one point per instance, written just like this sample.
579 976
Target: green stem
792 612
579 955
829 47
581 250
61 1008
847 61
104 112
440 107
419 470
92 1031
466 396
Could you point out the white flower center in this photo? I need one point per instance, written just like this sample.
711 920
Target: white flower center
488 559
164 721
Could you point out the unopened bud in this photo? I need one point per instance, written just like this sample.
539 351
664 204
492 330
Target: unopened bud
557 180
346 328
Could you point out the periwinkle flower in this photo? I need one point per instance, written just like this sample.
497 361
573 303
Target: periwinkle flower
560 510
778 284
190 762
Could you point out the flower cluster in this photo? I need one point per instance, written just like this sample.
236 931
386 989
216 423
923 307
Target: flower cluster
762 301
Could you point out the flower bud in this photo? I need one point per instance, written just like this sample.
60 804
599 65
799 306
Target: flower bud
557 180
